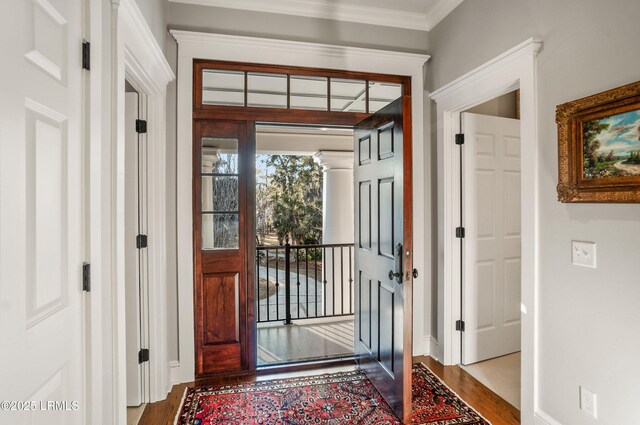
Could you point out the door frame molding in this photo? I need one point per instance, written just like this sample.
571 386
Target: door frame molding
516 68
195 45
137 57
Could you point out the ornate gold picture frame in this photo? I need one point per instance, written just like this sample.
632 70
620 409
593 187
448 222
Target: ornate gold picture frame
599 147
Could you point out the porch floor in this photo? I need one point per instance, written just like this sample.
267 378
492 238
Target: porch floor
304 340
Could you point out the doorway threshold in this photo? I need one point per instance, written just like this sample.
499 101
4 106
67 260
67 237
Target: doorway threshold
309 365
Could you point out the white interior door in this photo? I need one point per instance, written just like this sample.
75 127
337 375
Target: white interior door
136 289
41 211
491 256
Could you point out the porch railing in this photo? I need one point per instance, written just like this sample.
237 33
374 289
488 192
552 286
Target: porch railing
304 282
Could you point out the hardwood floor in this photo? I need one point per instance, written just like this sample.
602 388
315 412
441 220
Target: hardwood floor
485 401
490 405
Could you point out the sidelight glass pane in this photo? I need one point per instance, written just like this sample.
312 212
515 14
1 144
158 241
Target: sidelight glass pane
220 231
219 156
220 193
308 93
382 94
348 95
266 90
221 87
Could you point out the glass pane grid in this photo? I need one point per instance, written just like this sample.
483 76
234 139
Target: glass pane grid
381 94
308 92
221 87
283 91
220 193
266 90
348 95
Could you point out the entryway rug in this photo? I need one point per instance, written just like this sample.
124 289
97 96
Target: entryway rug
332 399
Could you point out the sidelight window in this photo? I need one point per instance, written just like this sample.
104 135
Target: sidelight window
220 193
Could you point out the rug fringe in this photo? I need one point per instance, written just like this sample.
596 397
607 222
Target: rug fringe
184 396
455 393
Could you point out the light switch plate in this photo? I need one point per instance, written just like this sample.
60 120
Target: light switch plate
583 253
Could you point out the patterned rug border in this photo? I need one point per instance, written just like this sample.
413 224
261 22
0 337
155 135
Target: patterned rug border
453 392
184 397
302 381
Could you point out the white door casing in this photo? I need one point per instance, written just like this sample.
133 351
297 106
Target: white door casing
515 68
192 45
41 210
492 253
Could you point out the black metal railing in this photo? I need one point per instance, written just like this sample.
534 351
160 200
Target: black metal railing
303 281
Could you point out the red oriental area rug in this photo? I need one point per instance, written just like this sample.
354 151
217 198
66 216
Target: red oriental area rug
340 398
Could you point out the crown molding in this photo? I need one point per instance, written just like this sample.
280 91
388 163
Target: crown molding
233 42
142 39
321 9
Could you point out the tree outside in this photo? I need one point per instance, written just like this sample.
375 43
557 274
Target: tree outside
288 200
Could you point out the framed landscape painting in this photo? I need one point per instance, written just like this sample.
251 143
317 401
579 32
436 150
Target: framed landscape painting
599 147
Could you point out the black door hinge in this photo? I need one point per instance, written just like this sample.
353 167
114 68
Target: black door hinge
141 241
141 126
460 232
86 55
460 325
143 355
86 277
460 139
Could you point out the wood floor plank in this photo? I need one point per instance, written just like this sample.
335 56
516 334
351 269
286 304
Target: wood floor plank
490 405
485 401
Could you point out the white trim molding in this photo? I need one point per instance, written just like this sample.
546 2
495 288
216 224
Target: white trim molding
342 11
430 346
193 45
137 57
515 68
543 418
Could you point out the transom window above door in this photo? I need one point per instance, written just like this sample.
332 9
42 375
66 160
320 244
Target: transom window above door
268 86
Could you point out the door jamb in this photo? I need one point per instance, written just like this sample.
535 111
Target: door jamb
514 68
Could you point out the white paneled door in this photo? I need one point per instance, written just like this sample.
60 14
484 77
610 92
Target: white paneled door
41 213
491 256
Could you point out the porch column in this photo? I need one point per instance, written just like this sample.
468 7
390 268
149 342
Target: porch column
209 159
337 228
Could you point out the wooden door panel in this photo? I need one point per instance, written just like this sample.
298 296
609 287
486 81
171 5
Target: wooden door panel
383 214
386 352
385 217
220 295
365 312
223 298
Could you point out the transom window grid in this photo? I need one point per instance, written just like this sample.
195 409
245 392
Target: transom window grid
266 86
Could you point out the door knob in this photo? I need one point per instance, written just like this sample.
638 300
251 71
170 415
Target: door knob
393 275
415 273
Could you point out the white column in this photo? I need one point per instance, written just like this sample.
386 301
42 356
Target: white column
209 159
337 228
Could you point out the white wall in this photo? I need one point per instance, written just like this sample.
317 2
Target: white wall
589 319
295 28
155 13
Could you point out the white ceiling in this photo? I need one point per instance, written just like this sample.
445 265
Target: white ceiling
410 14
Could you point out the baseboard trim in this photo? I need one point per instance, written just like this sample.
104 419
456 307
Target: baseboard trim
174 372
543 418
430 346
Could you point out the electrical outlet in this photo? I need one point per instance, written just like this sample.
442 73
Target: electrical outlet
588 402
583 254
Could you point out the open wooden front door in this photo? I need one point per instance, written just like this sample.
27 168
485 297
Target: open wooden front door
223 300
383 255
